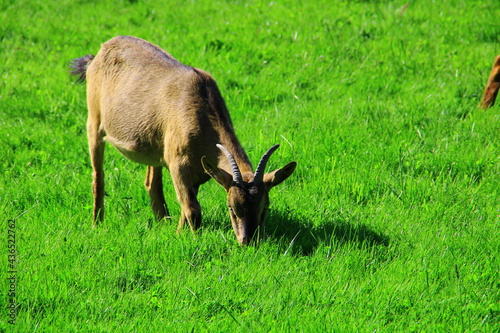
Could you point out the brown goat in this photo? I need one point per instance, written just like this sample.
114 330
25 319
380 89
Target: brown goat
492 86
159 112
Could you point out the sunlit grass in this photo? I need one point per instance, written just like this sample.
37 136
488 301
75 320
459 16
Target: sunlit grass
390 222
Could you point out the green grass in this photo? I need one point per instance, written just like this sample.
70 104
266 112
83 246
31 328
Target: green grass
390 222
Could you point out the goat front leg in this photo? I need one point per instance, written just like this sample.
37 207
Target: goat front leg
187 196
154 186
190 212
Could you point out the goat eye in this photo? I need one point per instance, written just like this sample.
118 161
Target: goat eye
237 210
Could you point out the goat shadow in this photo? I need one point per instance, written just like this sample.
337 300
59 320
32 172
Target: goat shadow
302 237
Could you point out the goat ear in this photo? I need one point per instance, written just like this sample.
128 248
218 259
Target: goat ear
219 175
278 176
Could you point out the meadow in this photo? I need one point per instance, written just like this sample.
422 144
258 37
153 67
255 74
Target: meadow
390 222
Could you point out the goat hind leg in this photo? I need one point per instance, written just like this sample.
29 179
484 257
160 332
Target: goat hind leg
96 147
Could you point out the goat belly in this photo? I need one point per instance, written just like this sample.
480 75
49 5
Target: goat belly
136 151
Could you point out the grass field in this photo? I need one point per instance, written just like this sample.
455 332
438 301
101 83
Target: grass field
390 222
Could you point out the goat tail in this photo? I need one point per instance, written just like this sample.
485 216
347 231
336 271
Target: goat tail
79 66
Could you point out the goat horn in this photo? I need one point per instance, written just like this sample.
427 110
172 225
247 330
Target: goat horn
259 173
232 164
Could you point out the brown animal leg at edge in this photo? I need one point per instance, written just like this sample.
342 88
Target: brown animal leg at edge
492 86
154 186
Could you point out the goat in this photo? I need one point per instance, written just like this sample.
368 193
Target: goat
159 112
492 86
